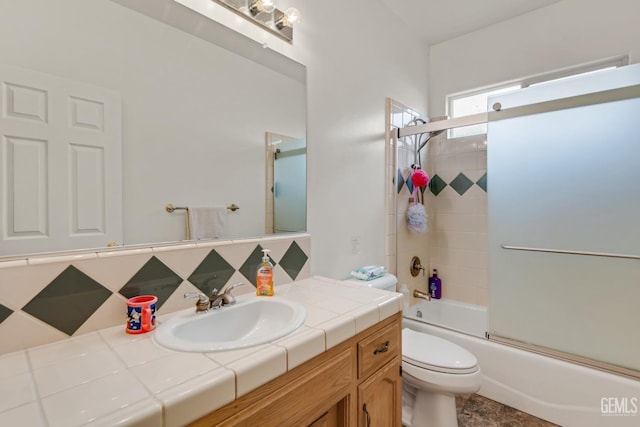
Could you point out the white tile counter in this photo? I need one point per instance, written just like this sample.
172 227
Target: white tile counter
111 378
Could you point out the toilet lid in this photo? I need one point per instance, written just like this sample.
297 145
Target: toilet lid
436 354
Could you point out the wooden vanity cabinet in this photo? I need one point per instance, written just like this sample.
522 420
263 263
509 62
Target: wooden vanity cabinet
356 383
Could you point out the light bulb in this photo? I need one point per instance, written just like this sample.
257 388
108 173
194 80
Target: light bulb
290 17
259 6
268 5
293 16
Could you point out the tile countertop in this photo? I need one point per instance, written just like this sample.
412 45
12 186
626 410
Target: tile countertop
111 378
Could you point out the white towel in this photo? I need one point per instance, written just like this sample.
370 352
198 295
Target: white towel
206 222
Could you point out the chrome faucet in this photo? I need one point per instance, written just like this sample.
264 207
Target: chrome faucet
202 305
223 297
216 300
420 294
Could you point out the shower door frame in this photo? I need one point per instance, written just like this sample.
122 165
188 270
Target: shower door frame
498 113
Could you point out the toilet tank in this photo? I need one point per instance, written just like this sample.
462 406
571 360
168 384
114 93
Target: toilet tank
387 282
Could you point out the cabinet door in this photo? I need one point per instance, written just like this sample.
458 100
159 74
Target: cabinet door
333 418
380 398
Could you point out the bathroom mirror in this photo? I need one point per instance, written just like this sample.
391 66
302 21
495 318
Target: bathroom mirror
190 101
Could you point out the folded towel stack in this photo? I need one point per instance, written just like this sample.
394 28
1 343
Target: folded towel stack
369 272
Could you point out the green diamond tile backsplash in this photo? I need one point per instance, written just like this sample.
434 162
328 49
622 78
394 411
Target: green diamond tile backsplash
68 301
250 267
4 312
293 260
74 302
154 278
212 273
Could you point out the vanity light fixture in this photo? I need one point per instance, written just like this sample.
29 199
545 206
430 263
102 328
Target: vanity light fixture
266 15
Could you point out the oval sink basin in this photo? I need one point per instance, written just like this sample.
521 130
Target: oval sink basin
247 323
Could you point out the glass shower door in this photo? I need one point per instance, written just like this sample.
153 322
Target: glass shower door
564 212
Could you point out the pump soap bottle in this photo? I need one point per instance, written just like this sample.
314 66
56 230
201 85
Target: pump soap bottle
435 285
264 277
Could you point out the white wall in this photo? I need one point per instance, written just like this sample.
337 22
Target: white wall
357 54
564 34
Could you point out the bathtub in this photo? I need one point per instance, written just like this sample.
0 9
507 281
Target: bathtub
561 392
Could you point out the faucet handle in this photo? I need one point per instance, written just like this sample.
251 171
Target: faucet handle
226 297
202 304
200 295
416 267
235 285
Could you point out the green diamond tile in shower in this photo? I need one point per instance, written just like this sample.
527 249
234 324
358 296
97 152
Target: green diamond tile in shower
399 181
4 313
154 278
250 266
293 260
436 185
482 182
68 301
212 273
461 183
410 183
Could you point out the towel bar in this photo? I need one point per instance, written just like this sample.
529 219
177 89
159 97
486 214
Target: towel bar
170 208
562 251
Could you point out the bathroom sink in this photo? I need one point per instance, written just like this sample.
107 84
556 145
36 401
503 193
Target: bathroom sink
249 322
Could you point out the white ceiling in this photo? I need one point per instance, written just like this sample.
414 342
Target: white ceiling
438 20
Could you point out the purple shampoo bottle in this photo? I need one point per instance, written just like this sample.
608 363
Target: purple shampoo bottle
435 285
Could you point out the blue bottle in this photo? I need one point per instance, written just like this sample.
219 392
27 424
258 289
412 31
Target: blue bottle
435 285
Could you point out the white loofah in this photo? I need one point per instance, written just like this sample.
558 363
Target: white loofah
417 218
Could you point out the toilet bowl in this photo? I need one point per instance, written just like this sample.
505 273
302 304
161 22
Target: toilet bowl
434 371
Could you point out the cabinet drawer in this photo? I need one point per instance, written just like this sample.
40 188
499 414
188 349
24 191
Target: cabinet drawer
378 348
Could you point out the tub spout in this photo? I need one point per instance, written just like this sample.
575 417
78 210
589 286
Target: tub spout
420 294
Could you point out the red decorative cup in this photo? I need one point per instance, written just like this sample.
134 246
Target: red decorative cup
141 314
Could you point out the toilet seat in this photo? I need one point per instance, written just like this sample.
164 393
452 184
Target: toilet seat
436 354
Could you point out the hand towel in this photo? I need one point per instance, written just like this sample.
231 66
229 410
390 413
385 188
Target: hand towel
206 222
369 272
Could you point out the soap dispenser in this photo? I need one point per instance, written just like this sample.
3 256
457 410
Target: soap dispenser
264 276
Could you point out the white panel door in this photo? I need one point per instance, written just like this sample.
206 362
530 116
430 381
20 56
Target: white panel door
60 163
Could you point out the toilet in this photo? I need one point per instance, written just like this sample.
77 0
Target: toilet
434 371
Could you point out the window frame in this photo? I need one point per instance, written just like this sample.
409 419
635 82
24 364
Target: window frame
538 79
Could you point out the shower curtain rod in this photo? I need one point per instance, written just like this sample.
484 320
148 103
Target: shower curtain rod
611 95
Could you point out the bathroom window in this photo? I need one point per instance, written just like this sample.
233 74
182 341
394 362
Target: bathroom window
475 101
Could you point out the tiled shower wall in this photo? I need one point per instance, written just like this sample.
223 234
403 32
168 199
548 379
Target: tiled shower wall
45 299
456 205
402 245
458 197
